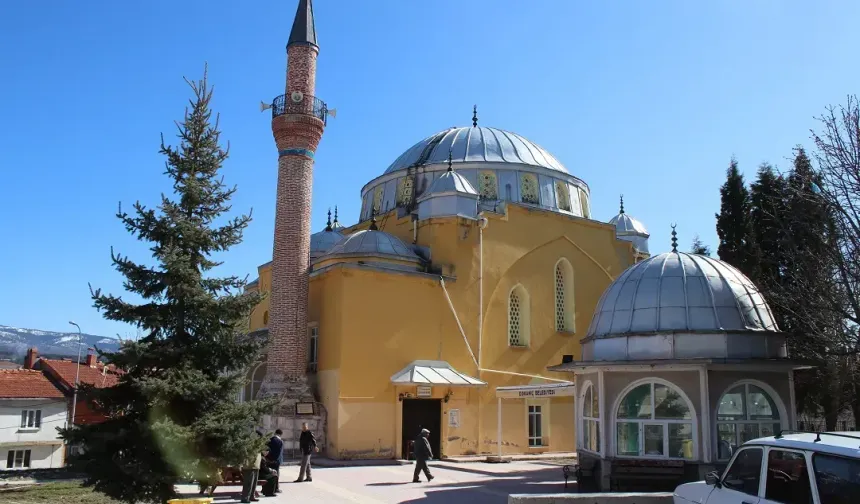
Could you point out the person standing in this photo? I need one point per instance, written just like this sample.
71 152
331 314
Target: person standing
307 445
423 453
275 457
250 472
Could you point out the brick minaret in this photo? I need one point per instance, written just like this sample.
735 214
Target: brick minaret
298 121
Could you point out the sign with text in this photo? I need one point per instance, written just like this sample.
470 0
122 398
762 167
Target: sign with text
304 408
535 392
454 418
425 391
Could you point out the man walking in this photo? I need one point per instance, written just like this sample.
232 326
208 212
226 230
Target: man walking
250 472
307 445
423 453
275 457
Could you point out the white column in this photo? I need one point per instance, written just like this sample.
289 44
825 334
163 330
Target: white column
499 435
792 415
601 407
705 422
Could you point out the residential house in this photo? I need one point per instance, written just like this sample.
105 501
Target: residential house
31 410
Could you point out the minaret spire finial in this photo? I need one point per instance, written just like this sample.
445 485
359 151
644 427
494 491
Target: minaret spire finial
328 222
674 239
475 116
622 203
335 214
304 32
373 221
450 159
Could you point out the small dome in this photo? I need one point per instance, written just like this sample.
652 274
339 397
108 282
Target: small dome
450 182
476 145
678 292
323 241
372 243
629 229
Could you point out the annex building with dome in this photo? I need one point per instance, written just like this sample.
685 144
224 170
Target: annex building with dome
475 295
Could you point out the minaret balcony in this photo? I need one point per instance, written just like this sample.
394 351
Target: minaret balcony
297 103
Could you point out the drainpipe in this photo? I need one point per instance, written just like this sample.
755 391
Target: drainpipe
482 225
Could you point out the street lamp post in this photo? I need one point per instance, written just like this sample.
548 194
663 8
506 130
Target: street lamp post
77 374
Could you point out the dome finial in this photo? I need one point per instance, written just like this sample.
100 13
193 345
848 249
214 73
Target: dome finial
450 159
674 239
475 116
335 214
328 222
373 221
622 203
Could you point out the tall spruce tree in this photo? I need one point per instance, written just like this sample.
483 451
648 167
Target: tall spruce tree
173 414
733 222
768 203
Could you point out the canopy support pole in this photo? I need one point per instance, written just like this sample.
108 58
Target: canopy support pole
499 435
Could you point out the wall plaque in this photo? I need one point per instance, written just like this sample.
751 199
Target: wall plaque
454 418
425 391
304 408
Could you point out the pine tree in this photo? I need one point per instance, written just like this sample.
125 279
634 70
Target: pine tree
173 416
699 247
733 222
768 203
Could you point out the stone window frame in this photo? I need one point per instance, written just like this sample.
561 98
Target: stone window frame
566 310
562 196
488 185
694 421
525 189
589 415
770 393
523 319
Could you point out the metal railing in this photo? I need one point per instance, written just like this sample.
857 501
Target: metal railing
308 105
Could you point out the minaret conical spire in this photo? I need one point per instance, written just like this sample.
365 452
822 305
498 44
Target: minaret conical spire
304 31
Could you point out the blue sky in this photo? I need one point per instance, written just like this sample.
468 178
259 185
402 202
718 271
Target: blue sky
649 99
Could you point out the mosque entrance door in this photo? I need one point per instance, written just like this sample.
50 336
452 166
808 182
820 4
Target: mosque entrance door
421 414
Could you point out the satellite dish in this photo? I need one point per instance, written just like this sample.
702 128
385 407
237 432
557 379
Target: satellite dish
297 96
264 105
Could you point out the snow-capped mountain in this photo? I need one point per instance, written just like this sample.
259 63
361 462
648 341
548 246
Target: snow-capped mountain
15 341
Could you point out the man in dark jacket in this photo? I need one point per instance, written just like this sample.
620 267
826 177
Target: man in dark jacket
307 445
423 453
275 457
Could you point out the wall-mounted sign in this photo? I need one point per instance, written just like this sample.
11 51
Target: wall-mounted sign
454 418
529 391
425 391
305 408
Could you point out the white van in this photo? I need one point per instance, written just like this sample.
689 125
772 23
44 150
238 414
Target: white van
796 468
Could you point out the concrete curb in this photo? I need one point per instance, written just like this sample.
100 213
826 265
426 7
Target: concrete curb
326 462
593 498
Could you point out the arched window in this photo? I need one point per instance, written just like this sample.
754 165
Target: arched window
745 412
258 374
583 198
508 193
564 307
590 419
562 195
377 201
404 191
529 189
487 185
518 317
654 420
266 318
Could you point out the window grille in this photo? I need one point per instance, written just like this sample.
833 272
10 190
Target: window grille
487 185
529 189
514 321
560 319
562 193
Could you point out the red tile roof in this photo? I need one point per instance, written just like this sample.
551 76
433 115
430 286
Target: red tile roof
26 384
64 371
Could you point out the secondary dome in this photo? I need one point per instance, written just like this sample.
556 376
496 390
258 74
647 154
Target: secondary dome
450 182
323 241
372 243
475 145
629 229
678 292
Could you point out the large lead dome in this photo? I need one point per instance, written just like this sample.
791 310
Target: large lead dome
502 167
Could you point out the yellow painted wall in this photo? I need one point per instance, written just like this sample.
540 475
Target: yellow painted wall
373 323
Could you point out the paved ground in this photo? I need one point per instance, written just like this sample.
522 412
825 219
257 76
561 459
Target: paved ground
477 483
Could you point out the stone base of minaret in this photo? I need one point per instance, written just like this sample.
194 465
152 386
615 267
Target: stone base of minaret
296 405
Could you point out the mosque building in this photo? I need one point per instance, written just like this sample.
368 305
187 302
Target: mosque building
474 264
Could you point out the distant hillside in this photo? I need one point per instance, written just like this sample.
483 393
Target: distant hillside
15 341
